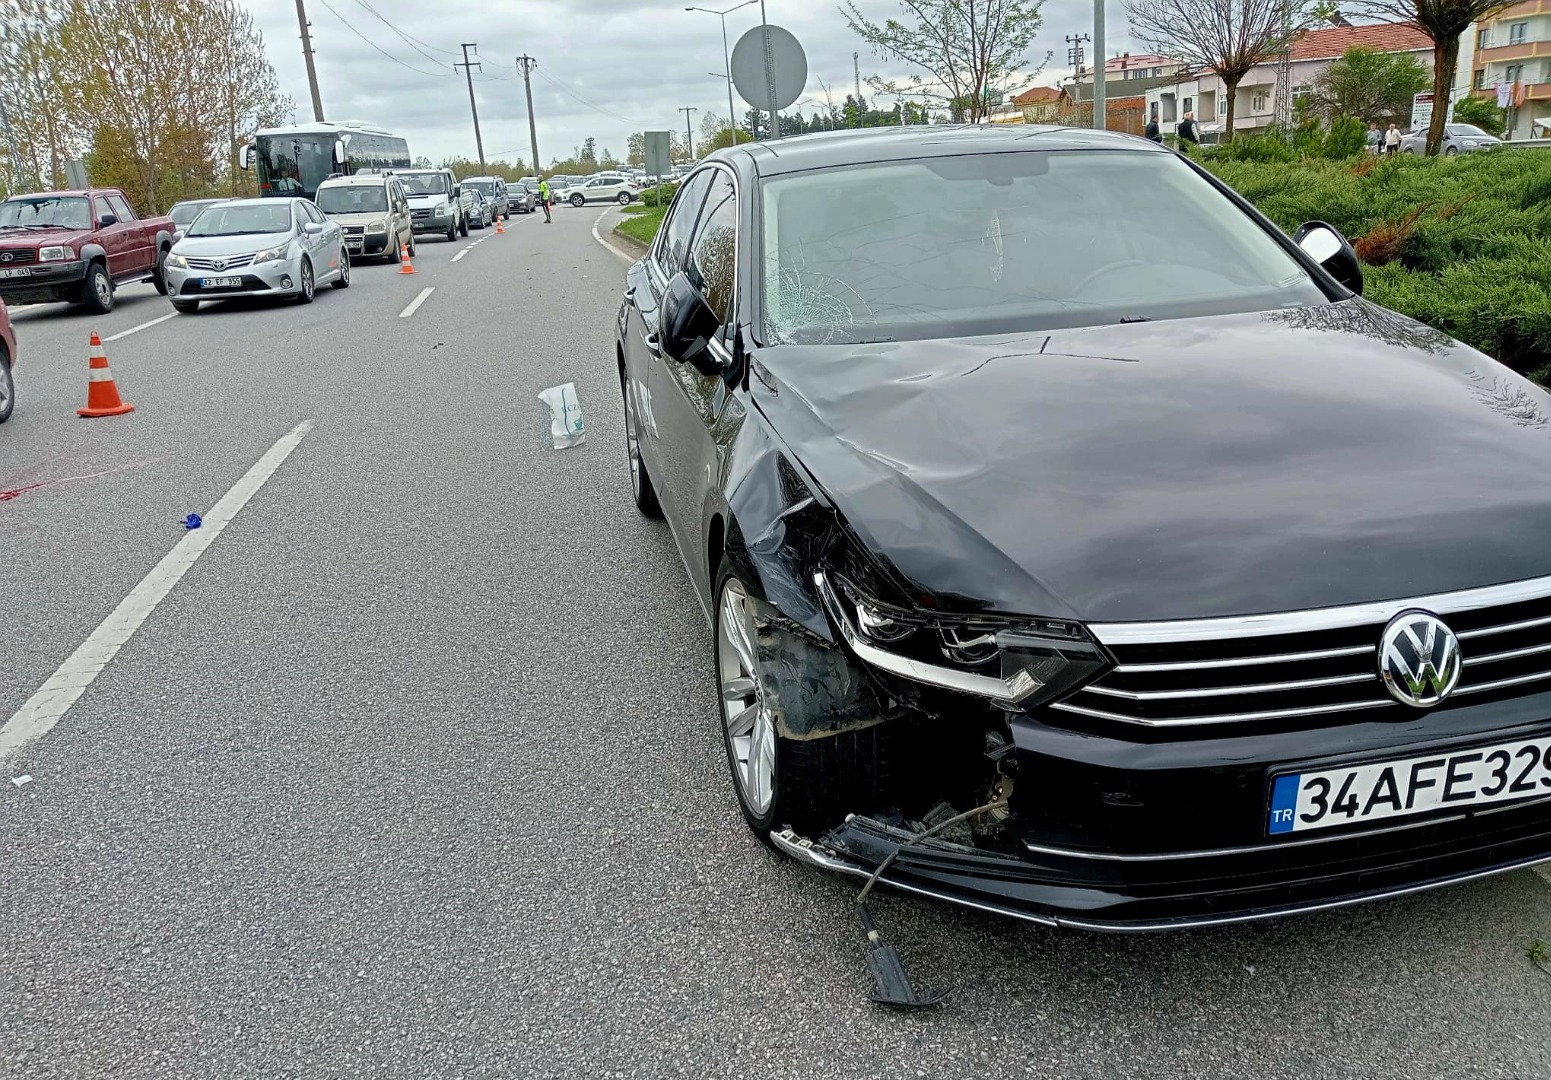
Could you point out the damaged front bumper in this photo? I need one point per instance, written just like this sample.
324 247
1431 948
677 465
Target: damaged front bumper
1087 891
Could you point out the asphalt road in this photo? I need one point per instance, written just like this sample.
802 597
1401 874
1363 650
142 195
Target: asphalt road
416 772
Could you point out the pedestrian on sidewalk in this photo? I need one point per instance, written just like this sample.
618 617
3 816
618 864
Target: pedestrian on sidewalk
1152 132
544 199
1189 130
1374 139
1392 140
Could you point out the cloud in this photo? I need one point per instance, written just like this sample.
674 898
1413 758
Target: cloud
606 67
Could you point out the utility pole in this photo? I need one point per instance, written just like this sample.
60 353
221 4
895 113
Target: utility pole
468 71
686 110
1101 66
312 71
526 64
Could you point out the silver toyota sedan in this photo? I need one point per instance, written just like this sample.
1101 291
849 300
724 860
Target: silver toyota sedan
256 247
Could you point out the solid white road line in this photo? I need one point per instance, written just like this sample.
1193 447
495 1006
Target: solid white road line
137 329
48 706
621 252
414 305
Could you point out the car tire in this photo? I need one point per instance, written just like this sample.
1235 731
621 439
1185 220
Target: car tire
395 255
641 489
452 232
97 290
1447 150
343 280
624 198
185 307
808 784
463 226
308 284
577 200
412 249
7 387
159 272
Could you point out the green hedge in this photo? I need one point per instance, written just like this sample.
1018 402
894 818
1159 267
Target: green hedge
1462 243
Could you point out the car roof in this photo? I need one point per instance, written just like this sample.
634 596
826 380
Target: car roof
827 149
358 178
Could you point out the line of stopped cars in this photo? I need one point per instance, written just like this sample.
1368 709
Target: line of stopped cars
1102 576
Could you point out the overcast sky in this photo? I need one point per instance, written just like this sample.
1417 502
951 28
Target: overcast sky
606 67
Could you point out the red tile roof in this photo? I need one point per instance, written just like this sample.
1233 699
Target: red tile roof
1136 60
1333 41
1037 95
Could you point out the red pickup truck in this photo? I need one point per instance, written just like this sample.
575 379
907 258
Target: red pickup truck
77 247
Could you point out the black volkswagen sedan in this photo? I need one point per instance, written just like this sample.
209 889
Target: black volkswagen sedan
1080 546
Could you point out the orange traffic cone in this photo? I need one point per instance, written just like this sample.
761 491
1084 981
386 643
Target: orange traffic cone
407 267
101 391
500 230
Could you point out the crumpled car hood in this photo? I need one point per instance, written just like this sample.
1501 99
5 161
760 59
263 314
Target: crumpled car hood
1180 468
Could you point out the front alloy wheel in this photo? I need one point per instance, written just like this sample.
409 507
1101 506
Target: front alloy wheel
577 200
308 285
343 280
747 725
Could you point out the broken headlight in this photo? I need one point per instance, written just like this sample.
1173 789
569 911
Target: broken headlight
1022 663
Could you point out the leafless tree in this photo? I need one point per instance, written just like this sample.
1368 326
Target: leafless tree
1228 37
1443 21
966 47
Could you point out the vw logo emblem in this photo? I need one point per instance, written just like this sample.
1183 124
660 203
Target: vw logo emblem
1419 659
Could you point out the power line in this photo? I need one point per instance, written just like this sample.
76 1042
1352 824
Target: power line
379 48
563 88
409 39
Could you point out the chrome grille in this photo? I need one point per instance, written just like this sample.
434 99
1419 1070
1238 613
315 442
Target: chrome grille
17 256
1314 666
230 262
420 215
353 230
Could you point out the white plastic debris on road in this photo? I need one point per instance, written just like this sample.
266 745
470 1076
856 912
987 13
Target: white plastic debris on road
21 781
564 416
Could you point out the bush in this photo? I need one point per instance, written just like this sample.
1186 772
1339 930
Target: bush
1346 138
1264 149
1461 243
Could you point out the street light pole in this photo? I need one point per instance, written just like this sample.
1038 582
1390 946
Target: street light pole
732 117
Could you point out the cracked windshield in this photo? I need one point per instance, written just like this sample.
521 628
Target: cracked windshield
908 538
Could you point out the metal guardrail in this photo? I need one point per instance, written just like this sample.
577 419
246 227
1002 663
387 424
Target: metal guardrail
1527 144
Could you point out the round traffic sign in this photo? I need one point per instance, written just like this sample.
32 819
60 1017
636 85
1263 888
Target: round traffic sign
769 68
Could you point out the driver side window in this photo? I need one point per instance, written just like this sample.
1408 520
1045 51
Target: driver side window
673 238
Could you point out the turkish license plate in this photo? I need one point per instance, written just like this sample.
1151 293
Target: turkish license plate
353 242
16 271
1386 789
220 283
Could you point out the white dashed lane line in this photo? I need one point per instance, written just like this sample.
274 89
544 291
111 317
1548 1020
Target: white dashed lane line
414 305
142 326
53 699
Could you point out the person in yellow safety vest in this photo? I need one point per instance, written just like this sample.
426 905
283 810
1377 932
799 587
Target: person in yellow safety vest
544 199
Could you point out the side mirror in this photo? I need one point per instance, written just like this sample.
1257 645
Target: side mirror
246 158
339 152
687 326
311 228
1322 243
177 235
106 220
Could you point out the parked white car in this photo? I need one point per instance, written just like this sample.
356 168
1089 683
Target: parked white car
602 189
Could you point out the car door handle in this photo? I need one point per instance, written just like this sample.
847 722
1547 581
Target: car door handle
654 346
